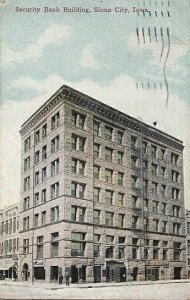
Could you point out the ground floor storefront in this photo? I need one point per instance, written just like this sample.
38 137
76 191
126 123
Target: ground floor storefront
8 269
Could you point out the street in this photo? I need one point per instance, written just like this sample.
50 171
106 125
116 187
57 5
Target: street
157 291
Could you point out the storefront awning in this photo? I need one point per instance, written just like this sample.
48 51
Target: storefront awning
5 267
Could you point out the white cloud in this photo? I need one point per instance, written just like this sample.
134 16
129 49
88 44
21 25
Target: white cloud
88 57
51 35
120 93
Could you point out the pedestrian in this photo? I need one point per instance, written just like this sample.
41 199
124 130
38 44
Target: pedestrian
67 278
60 278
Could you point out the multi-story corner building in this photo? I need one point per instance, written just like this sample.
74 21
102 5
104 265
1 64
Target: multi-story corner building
102 195
9 242
188 241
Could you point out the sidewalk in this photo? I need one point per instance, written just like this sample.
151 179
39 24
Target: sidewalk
55 286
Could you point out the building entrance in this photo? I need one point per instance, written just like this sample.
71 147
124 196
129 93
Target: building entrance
78 274
97 273
177 273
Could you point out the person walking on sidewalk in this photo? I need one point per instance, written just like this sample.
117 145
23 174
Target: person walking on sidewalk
67 278
60 278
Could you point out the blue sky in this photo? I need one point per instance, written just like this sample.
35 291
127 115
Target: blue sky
99 54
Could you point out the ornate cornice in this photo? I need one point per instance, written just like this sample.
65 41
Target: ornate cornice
104 111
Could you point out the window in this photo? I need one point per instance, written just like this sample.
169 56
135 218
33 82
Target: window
154 169
44 131
44 174
153 151
108 175
27 144
121 220
36 199
108 197
164 226
133 142
162 154
54 250
133 161
54 214
108 154
119 137
120 158
27 164
78 245
77 189
37 136
108 133
96 194
188 227
81 166
10 226
155 207
78 120
96 238
174 158
96 172
14 225
37 178
26 183
175 176
163 172
55 144
26 203
78 213
120 198
25 246
74 165
177 251
164 212
96 250
155 225
39 247
43 218
144 147
135 248
55 190
43 195
78 143
188 246
55 167
55 120
109 218
96 217
155 188
134 201
176 228
96 128
134 182
96 150
44 152
146 224
155 253
37 157
109 246
120 178
176 211
36 220
135 222
26 223
175 193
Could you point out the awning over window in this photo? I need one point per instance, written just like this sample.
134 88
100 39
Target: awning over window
6 266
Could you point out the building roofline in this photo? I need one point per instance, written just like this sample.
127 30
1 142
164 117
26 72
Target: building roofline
78 97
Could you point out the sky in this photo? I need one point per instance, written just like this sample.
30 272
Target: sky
137 64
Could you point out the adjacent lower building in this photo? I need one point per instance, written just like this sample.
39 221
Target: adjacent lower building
102 195
9 242
188 241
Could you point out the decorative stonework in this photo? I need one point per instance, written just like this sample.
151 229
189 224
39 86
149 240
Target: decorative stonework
103 110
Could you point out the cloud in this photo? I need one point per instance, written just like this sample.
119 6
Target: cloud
88 57
120 93
52 35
